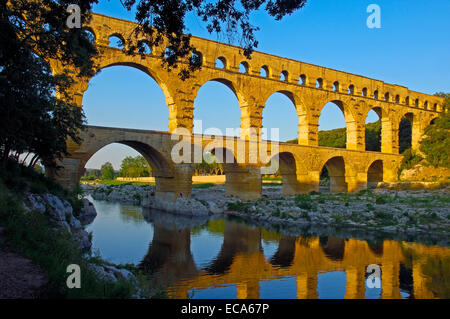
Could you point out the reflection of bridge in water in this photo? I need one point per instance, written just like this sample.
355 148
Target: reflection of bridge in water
241 262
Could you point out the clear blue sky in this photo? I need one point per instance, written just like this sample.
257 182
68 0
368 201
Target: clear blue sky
412 48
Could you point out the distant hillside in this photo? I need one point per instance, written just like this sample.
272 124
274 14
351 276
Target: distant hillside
338 137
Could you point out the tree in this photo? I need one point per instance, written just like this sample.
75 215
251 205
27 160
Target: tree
135 167
436 142
107 171
34 118
161 20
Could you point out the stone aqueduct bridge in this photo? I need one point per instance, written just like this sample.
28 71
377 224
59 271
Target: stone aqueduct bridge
309 87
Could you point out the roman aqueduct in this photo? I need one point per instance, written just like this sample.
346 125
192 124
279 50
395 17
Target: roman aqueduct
308 86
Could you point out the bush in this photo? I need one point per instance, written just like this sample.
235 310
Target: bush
304 201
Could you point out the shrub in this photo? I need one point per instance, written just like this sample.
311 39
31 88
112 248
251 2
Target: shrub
304 201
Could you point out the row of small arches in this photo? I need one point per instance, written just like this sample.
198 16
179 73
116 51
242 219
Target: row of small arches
221 63
117 41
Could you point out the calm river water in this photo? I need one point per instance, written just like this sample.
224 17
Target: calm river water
227 258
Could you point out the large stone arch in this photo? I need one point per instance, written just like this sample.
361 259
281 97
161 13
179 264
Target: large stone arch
121 59
229 81
160 165
289 170
336 167
375 173
303 113
352 121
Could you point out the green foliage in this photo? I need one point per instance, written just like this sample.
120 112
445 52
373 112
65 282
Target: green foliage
211 166
32 236
436 143
338 137
91 174
33 119
404 135
373 136
238 206
304 201
166 19
333 138
107 171
135 167
410 158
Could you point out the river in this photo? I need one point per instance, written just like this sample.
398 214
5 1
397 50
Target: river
229 258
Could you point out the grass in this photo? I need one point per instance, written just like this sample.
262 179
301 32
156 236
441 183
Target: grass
32 236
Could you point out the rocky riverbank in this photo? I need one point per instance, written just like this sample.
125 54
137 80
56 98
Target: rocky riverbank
63 218
390 211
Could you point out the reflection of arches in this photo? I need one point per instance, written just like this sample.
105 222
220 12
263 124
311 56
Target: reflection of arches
238 238
169 258
334 248
336 171
284 255
376 248
375 174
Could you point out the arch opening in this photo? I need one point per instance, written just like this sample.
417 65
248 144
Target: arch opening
405 133
333 175
332 125
336 86
126 96
264 71
375 95
364 92
215 97
284 76
244 67
351 90
319 83
144 47
302 79
280 114
375 174
287 171
116 41
221 63
373 130
129 159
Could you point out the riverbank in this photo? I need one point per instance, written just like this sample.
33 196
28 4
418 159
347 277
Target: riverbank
42 233
392 211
